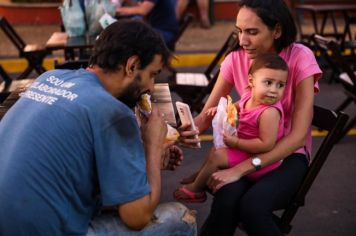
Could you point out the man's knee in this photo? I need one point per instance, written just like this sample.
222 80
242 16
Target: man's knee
174 211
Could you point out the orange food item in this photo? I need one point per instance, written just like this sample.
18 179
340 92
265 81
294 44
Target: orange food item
145 104
172 133
231 112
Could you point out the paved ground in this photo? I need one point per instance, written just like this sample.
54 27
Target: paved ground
330 206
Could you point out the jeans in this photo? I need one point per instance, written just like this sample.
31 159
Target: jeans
252 203
168 220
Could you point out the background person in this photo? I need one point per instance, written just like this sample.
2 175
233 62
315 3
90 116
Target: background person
79 147
160 14
203 7
263 26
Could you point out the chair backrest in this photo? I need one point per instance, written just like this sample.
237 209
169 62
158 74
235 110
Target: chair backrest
230 43
12 35
331 51
333 123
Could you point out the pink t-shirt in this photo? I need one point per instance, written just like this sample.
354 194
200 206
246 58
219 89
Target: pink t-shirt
248 128
302 64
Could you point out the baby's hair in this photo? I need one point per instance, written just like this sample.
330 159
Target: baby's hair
268 60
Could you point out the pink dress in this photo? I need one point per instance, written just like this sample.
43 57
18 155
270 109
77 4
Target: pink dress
301 63
248 128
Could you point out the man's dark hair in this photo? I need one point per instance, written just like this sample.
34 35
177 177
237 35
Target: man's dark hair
126 38
273 12
268 60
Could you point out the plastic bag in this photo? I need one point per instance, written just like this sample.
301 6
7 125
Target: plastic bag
73 18
94 10
220 124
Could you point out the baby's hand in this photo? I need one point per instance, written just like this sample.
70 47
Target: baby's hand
230 140
211 111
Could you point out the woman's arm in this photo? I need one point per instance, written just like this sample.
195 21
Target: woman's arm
301 121
221 89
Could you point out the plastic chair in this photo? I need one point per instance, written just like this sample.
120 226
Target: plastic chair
33 53
194 87
347 76
324 119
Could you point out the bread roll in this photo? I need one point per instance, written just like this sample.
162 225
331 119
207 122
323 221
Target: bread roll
144 105
172 133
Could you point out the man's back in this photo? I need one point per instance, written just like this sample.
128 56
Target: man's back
51 155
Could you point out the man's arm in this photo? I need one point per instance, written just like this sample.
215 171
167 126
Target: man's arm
138 213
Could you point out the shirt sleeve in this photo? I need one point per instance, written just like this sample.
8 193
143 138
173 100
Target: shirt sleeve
121 162
306 66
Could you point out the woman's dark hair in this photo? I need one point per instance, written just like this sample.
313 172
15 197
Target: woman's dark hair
268 60
126 38
273 12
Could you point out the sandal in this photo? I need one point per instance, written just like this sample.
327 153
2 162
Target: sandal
182 194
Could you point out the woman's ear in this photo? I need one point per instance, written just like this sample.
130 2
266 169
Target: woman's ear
277 31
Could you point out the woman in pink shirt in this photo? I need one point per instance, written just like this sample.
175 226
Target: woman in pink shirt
260 126
263 26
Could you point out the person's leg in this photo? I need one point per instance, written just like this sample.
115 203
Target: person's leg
181 6
203 6
273 191
217 159
169 217
223 217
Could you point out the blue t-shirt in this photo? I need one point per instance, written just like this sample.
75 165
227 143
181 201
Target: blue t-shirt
66 145
163 18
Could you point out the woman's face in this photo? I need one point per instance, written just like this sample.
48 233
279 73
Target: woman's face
254 36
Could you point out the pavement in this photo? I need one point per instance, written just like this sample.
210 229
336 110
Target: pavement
330 208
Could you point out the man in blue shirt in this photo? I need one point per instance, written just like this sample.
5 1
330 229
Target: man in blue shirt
72 145
160 15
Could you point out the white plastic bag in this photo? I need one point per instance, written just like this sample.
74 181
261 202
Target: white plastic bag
220 124
73 18
94 10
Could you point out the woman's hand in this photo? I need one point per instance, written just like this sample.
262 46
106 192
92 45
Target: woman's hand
187 136
221 178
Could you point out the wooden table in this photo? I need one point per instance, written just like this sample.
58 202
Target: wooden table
61 41
326 11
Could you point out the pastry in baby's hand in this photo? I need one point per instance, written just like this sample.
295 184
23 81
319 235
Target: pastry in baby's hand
144 105
231 112
172 133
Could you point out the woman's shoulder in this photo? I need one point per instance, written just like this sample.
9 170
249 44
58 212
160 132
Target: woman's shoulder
297 53
297 49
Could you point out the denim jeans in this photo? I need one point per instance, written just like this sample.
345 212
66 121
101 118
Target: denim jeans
170 219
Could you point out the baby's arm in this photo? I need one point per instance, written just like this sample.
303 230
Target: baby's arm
268 129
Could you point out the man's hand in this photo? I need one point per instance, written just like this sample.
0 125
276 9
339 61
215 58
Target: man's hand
154 129
172 157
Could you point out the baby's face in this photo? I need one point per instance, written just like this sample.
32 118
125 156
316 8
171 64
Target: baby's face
267 85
